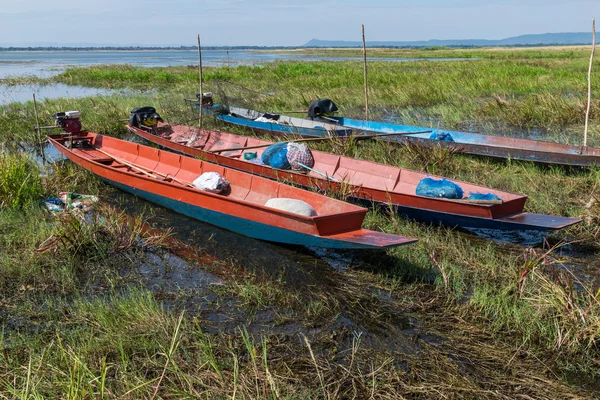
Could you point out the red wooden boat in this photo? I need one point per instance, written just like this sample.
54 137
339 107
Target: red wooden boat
363 180
164 178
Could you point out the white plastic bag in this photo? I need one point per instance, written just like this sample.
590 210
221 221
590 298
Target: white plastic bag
211 182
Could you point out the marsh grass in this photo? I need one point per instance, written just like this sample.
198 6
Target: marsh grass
515 318
20 184
499 92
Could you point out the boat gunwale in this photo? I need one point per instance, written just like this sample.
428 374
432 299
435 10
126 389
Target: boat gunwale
318 218
568 150
517 196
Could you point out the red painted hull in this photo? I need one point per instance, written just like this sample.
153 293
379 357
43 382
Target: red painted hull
337 224
362 179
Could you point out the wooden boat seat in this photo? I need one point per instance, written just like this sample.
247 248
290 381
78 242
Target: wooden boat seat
94 154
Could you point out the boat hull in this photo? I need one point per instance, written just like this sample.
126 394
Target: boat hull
287 126
244 218
250 228
506 216
485 145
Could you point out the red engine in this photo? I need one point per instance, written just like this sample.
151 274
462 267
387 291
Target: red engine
69 121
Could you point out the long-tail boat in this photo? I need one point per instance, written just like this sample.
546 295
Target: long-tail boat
366 181
165 178
465 142
484 145
273 123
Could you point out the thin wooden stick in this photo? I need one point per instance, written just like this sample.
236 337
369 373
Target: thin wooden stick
357 137
589 98
201 78
47 127
365 74
37 123
145 170
324 175
194 137
476 201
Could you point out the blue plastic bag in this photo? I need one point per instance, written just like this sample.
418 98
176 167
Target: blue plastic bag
442 188
481 196
276 156
443 136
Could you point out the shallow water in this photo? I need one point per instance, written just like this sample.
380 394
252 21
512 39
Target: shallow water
48 63
24 93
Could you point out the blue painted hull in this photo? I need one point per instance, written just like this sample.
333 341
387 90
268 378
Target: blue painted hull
485 145
242 226
276 128
526 221
319 130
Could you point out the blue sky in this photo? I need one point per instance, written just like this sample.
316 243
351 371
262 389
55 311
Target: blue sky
287 23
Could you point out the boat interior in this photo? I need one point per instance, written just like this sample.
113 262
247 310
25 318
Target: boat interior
350 170
183 170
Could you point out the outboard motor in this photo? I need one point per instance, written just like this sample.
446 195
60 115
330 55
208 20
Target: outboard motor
69 121
321 108
207 99
144 117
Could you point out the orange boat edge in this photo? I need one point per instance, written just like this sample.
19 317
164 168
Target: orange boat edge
165 178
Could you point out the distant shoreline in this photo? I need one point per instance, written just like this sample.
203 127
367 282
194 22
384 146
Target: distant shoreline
138 49
280 48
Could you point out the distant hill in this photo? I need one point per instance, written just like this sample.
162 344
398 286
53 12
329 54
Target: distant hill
544 39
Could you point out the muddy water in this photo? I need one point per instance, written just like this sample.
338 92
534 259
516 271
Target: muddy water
305 271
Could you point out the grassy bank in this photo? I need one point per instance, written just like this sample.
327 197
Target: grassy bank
543 90
454 315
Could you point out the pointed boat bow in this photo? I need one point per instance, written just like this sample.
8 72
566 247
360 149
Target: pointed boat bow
366 239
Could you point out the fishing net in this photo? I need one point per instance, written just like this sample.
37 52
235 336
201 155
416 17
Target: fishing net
299 156
232 94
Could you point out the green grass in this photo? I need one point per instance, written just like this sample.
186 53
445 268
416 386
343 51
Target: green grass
20 184
514 318
499 92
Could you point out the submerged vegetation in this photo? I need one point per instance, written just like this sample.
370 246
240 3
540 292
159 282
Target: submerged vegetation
111 306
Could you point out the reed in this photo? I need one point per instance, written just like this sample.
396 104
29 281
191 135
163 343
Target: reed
20 184
454 315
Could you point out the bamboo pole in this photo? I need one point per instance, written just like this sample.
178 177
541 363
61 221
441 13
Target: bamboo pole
357 137
145 170
365 74
39 132
201 79
589 98
194 137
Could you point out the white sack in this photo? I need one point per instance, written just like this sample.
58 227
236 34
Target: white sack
292 205
211 182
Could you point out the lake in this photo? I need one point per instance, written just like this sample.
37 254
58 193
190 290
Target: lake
23 93
47 63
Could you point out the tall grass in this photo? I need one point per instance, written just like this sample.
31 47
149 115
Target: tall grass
503 310
500 92
20 183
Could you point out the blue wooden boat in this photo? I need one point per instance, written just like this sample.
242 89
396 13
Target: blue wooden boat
465 142
485 145
273 123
